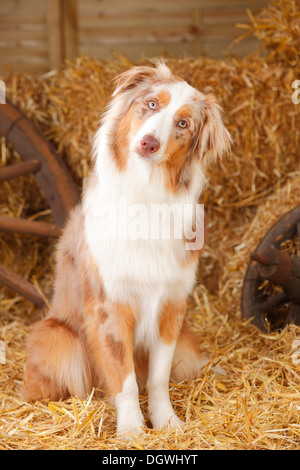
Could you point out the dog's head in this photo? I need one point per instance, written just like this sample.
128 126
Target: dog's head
164 121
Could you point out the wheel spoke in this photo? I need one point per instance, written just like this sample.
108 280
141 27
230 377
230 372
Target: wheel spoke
29 227
294 315
11 280
273 302
19 169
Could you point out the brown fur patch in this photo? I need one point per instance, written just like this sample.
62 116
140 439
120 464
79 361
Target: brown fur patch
128 126
53 349
179 150
164 98
111 344
184 112
69 258
134 77
116 347
103 316
177 158
120 142
171 319
53 323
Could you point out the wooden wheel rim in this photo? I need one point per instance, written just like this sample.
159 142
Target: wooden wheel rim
284 229
53 178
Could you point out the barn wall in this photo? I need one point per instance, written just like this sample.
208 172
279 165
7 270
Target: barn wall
37 35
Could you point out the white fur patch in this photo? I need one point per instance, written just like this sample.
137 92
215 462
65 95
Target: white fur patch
160 409
129 415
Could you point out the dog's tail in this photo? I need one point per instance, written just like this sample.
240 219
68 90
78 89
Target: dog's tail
58 364
188 361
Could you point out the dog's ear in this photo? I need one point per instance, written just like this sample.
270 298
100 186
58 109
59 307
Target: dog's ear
133 77
141 75
214 139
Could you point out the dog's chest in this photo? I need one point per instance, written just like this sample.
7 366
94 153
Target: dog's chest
130 268
136 250
141 260
146 276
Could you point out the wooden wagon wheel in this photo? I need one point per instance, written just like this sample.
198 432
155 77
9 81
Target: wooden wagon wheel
272 266
39 158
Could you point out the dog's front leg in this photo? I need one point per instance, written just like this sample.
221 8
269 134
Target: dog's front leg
129 417
161 412
110 335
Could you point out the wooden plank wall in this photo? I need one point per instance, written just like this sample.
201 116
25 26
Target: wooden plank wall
153 27
23 35
37 35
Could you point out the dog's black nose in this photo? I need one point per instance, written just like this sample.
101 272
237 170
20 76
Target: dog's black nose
149 144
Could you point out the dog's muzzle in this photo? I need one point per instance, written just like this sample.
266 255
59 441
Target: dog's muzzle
148 146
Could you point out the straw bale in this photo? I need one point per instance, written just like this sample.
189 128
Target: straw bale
277 28
256 403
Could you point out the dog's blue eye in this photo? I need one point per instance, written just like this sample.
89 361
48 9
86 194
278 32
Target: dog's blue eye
152 104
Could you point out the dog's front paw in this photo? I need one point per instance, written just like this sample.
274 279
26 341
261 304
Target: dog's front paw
131 427
166 419
129 433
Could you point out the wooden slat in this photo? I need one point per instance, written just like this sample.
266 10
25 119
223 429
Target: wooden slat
13 281
147 5
32 52
165 19
138 51
23 67
138 35
22 7
19 169
16 37
70 29
54 33
119 6
23 23
29 227
197 25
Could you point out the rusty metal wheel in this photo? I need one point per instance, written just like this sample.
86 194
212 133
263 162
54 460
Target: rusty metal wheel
271 289
39 158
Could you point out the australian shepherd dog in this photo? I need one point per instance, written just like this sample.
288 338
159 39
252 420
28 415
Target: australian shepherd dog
117 316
